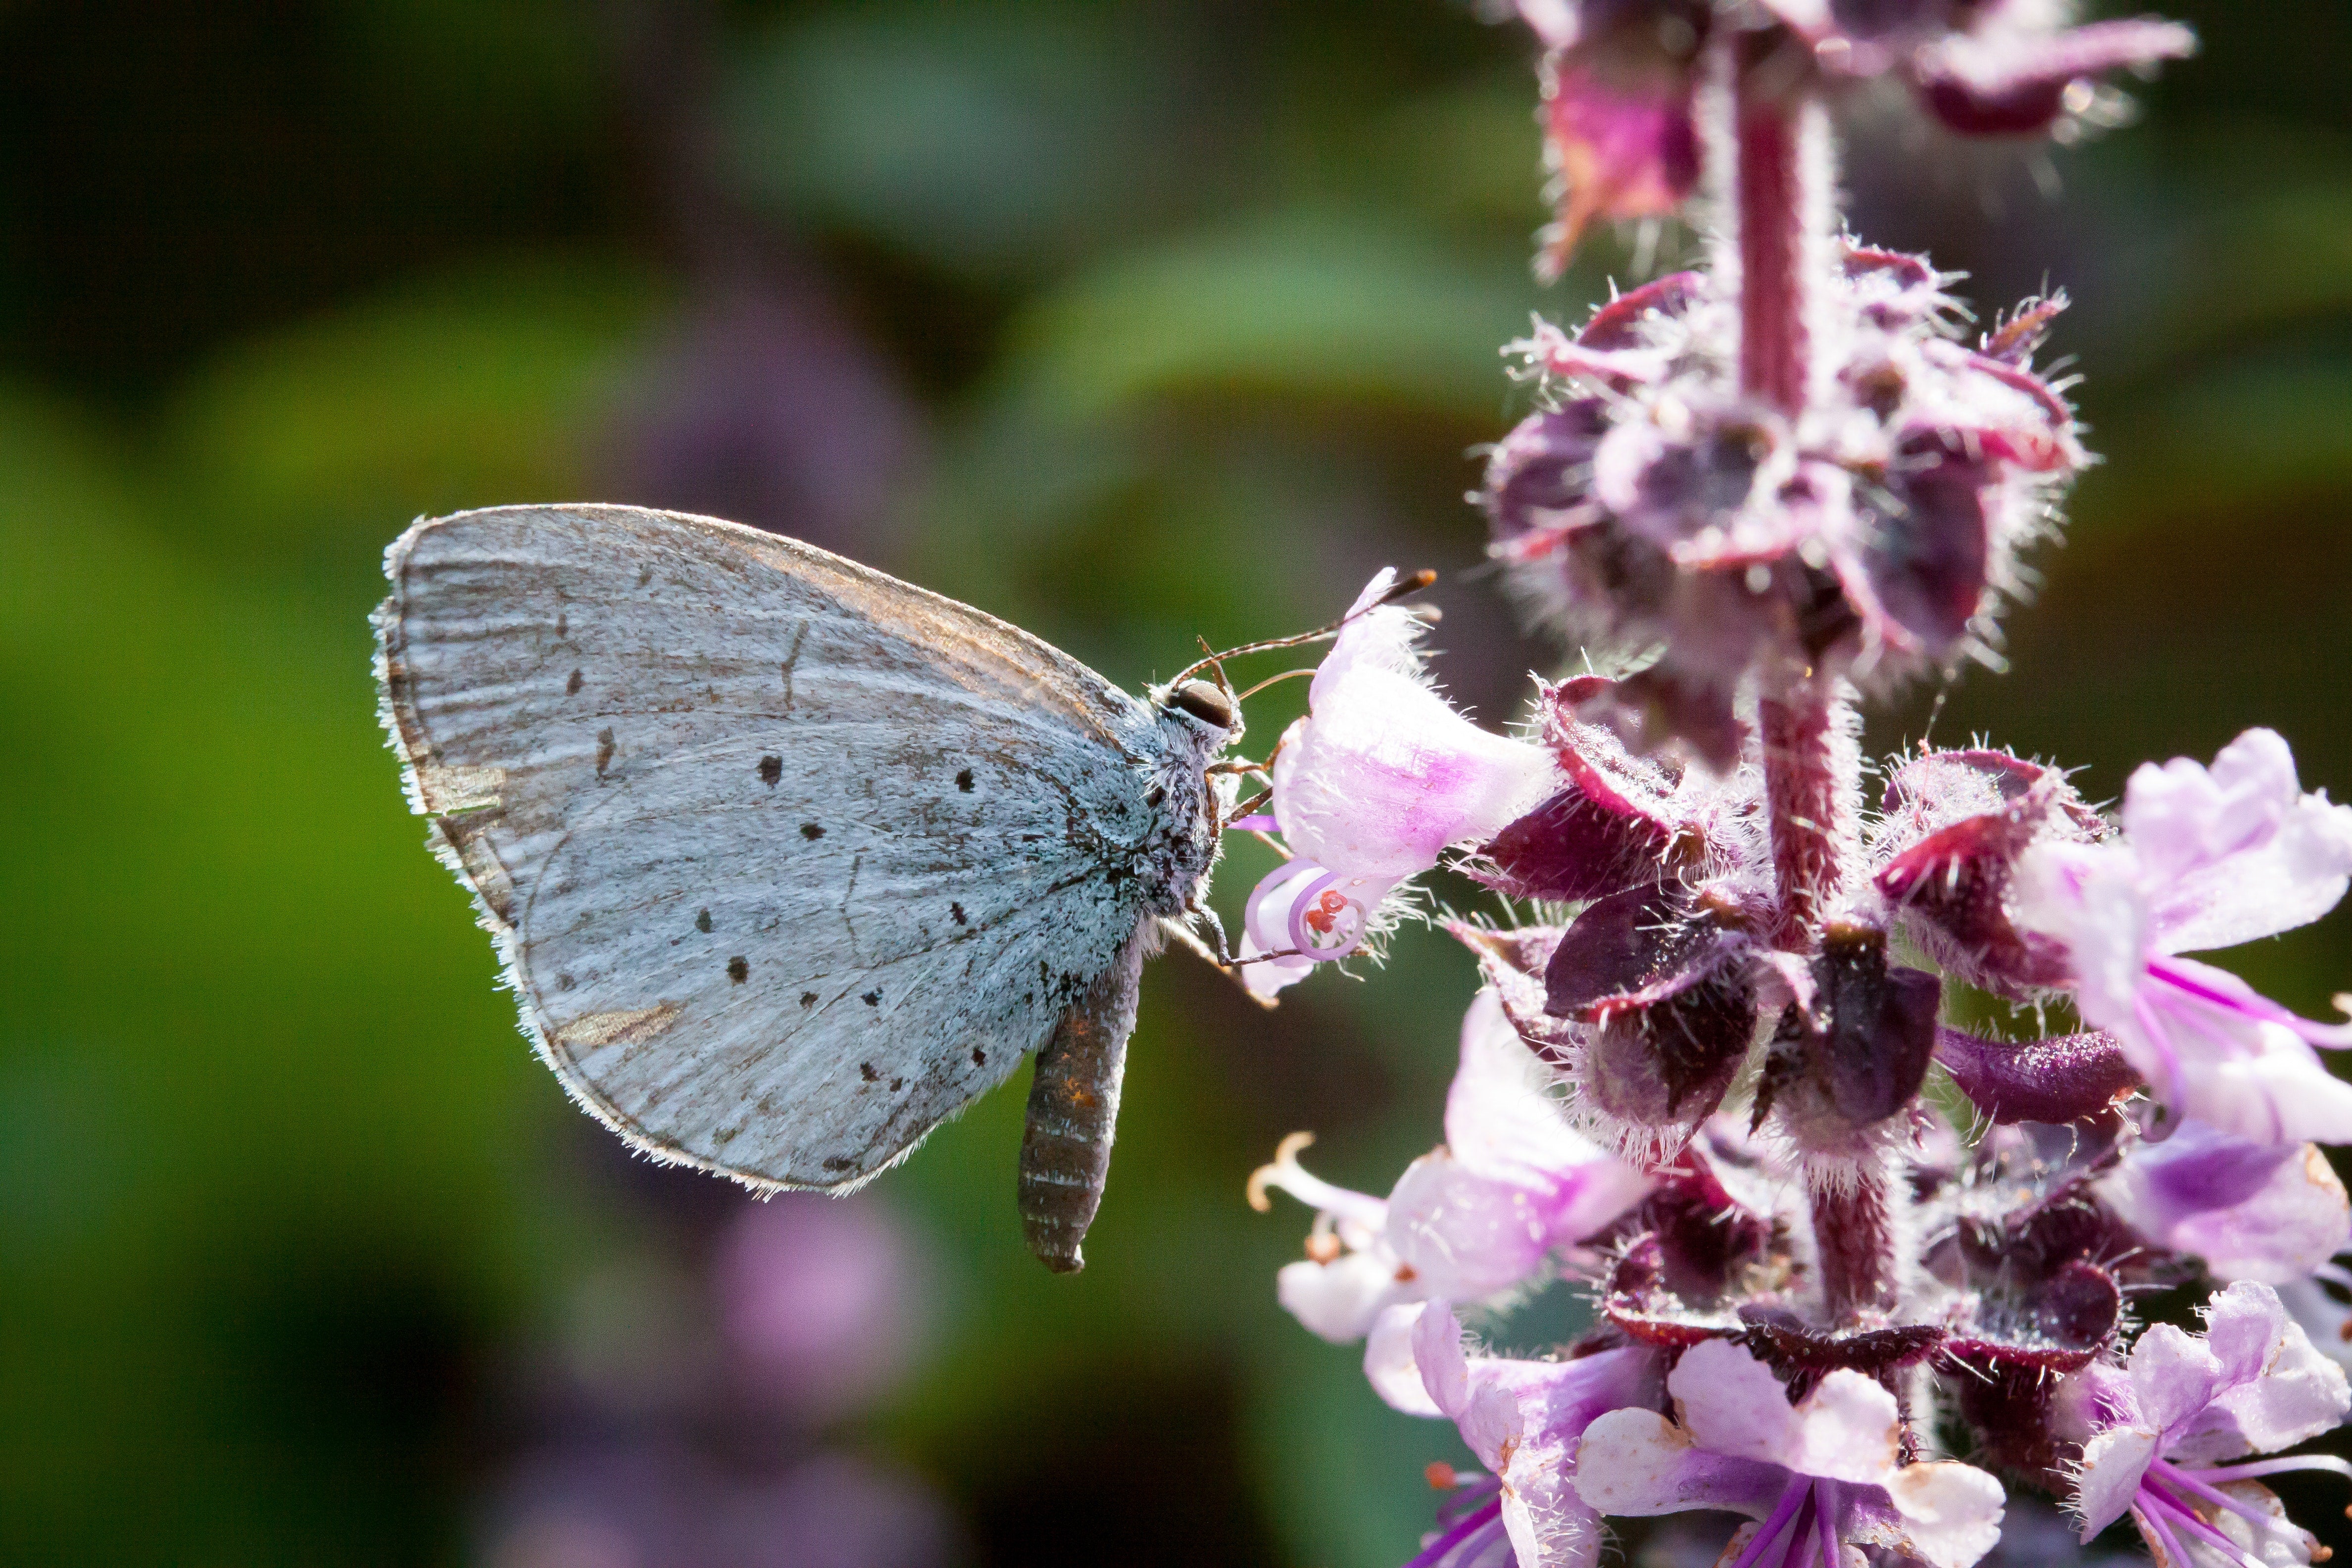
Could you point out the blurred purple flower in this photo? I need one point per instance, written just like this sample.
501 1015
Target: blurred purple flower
818 1298
764 406
660 1506
1621 79
2209 857
1619 136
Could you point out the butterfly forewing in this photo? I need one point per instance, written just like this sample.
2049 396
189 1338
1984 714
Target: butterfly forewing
789 860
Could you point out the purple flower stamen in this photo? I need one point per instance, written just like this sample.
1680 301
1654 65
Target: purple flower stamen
1470 1497
2174 1476
2157 1503
1798 1493
1480 1520
1825 1501
2327 1462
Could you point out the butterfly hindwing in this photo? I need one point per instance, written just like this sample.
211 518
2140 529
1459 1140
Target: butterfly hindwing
789 860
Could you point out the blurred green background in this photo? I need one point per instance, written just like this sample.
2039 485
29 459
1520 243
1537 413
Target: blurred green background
1129 320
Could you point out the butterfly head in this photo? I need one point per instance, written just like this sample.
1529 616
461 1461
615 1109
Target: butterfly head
1200 705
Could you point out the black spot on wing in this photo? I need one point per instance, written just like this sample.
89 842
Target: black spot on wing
963 781
605 747
771 769
836 1163
644 575
808 998
979 1057
865 1070
955 912
702 922
872 998
739 969
811 832
571 687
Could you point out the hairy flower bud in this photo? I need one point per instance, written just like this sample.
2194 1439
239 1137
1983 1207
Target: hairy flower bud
1656 508
1855 1053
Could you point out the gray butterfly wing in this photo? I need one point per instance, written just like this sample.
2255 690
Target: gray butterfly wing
788 860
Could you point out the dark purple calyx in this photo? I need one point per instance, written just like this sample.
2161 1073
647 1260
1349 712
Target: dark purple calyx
1859 1053
1512 962
2067 1077
1618 324
2012 1350
1641 1303
1616 825
1894 288
2026 1209
2030 1254
1573 848
1925 561
1803 1353
1666 702
1956 822
2018 86
2021 333
2058 1325
1669 991
1537 489
1697 1259
2011 1356
1709 1241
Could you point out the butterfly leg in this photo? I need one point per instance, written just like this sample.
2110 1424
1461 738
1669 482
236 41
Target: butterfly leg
1222 962
1073 1110
1203 912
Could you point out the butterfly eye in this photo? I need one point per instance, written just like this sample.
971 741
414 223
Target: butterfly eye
1204 702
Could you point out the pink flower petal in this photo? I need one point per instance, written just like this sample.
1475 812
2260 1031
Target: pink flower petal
2252 1210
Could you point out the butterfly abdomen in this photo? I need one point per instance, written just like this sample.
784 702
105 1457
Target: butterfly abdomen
1073 1109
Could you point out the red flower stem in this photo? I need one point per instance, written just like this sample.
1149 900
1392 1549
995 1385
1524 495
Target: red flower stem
1809 792
1853 1237
1780 151
1784 220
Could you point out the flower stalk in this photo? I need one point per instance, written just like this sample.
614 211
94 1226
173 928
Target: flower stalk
1811 791
1759 493
1781 215
1855 1231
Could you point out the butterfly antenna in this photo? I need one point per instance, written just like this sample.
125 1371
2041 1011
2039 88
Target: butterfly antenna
1402 588
1271 680
1214 661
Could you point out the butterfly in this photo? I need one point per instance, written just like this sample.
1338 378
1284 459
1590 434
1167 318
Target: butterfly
787 860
